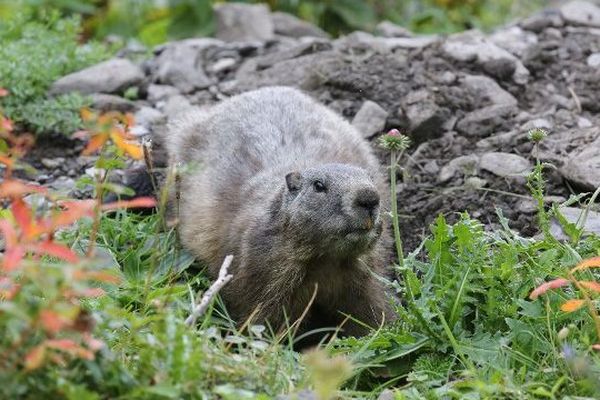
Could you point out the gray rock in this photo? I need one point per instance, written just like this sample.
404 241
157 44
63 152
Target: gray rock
475 182
467 165
387 394
110 76
243 22
390 30
370 119
594 60
549 18
581 13
176 105
505 164
109 102
583 167
364 40
222 64
63 184
424 116
583 122
574 215
515 40
158 93
484 121
314 45
305 394
473 46
288 25
538 123
181 64
53 163
485 91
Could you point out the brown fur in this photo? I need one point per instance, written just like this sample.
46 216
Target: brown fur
287 242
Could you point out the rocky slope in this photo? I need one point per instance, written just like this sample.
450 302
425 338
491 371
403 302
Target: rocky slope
467 100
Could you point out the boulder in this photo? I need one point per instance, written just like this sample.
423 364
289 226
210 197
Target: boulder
370 119
110 76
583 167
505 164
485 121
237 22
288 25
581 13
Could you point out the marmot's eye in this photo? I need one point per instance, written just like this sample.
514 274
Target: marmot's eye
319 186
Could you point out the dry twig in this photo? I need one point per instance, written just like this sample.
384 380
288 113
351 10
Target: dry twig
221 281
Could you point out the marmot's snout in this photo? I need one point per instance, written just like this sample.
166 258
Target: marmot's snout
366 208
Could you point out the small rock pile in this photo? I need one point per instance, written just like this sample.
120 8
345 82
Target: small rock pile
467 100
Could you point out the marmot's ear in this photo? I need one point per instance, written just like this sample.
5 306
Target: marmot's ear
293 181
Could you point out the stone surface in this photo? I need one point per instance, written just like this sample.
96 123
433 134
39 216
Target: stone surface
161 92
583 167
581 13
108 102
473 46
575 216
110 76
180 64
289 25
148 116
485 91
593 60
484 121
389 29
370 119
466 165
515 40
423 114
505 164
243 22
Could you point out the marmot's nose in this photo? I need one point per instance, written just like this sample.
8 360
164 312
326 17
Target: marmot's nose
367 198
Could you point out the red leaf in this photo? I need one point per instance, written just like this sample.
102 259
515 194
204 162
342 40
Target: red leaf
593 262
9 162
140 202
92 292
52 321
544 287
73 211
8 289
35 357
69 346
3 92
6 124
9 233
55 250
572 305
23 216
596 346
15 188
12 258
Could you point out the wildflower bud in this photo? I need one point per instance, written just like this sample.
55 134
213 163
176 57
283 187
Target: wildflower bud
563 333
394 141
537 135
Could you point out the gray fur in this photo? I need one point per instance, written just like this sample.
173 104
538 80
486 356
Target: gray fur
252 193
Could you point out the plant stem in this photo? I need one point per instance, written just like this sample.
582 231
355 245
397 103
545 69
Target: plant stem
394 200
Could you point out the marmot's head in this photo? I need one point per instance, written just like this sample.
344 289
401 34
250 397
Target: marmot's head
335 208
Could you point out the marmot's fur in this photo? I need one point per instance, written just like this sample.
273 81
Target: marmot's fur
295 193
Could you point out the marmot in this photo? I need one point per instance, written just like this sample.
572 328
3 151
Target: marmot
295 194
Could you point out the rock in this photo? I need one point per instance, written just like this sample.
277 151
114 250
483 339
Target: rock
594 60
314 45
288 25
485 91
157 93
515 40
243 22
63 184
581 13
467 165
305 394
370 119
110 76
390 30
484 121
366 41
387 394
223 64
109 102
574 215
583 122
181 64
53 163
538 123
475 182
473 46
424 116
176 105
505 164
583 167
550 18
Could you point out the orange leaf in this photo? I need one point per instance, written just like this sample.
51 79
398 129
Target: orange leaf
134 150
9 162
69 346
55 250
591 285
53 322
92 292
95 143
87 115
572 305
593 262
98 276
544 287
8 289
9 233
12 258
35 357
3 92
15 188
140 202
72 211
